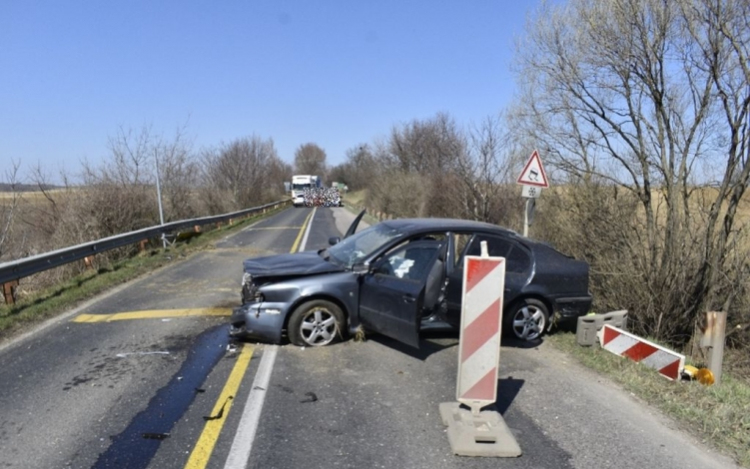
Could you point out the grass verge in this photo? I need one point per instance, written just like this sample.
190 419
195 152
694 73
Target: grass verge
47 303
717 415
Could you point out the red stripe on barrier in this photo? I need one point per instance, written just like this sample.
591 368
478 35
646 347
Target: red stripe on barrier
639 351
484 388
477 270
480 330
609 335
672 370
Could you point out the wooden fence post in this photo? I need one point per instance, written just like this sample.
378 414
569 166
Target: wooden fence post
713 339
9 292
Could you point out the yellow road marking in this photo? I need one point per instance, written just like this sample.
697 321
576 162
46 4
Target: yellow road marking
206 442
301 233
153 314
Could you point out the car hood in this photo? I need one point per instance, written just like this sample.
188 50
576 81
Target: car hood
286 265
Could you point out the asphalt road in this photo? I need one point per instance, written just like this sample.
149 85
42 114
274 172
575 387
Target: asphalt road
135 390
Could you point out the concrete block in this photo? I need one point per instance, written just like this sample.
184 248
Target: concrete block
485 434
589 326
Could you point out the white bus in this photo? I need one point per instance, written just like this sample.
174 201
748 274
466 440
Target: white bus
300 182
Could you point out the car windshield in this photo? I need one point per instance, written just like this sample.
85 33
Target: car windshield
357 247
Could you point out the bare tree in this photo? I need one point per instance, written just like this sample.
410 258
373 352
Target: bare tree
359 170
720 33
422 158
310 159
179 175
240 169
631 93
486 171
9 207
120 194
429 146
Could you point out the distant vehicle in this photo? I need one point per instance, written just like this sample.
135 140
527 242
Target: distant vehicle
300 183
340 186
400 277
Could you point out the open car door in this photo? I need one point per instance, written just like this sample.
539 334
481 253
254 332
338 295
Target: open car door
353 226
391 296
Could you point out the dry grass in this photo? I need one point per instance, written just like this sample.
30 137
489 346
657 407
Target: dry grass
34 195
718 415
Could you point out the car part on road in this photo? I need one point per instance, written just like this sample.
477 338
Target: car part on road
316 323
528 319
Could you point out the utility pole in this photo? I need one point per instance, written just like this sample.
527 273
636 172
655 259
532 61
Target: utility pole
158 195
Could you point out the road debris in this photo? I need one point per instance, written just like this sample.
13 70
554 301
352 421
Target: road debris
311 397
127 354
220 414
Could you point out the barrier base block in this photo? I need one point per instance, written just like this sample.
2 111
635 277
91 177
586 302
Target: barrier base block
485 434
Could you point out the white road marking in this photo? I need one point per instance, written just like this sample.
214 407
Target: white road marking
307 232
239 453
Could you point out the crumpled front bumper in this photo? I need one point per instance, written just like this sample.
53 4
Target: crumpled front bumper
251 321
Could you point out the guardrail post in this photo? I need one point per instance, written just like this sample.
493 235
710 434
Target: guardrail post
142 245
88 262
9 292
197 228
231 221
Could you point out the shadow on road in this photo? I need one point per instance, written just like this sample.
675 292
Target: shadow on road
507 390
434 341
429 344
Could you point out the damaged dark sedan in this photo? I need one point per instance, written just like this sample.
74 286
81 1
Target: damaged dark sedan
401 277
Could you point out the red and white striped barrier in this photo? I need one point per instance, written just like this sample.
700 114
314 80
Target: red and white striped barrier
619 342
481 327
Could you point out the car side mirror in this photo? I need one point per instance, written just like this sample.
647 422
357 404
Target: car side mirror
361 268
334 240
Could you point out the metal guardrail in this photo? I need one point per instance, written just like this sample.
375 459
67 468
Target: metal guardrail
18 269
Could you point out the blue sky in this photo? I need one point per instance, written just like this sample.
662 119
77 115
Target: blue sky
337 73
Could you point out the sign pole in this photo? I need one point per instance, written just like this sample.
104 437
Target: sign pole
526 219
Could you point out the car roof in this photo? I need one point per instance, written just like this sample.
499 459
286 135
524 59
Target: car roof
451 224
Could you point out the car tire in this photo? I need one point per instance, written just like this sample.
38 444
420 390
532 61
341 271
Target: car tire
316 323
527 319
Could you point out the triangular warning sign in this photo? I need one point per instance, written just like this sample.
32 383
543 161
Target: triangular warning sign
533 172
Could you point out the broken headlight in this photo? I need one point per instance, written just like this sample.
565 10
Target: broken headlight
250 291
246 279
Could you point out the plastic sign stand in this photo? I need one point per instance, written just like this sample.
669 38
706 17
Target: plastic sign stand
471 431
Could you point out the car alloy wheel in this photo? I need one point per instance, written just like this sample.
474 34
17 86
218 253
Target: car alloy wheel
315 323
529 319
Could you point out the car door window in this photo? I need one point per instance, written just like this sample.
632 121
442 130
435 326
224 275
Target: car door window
516 257
496 247
461 240
410 261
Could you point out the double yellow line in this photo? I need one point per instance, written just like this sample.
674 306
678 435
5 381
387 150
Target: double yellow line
206 442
